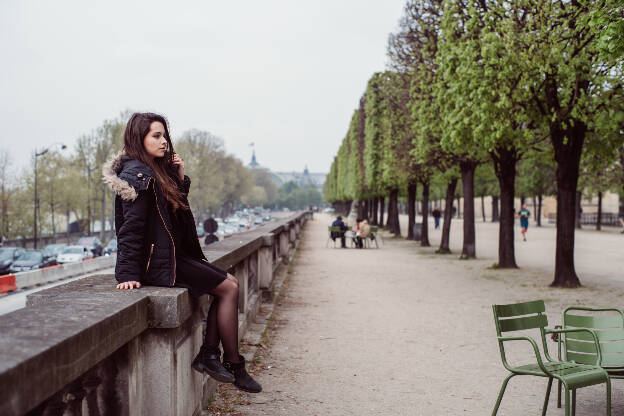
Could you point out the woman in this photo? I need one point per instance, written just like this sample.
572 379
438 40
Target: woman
158 244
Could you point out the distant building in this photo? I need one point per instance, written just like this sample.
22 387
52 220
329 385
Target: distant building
254 164
304 178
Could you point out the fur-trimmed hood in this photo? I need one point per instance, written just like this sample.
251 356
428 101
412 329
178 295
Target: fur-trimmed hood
126 176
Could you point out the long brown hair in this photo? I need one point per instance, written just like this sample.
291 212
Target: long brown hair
137 128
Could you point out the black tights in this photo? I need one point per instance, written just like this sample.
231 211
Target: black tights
222 321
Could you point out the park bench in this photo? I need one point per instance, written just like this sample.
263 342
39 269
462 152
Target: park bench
531 315
608 325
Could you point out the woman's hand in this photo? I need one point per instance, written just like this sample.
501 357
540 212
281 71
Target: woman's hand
129 285
177 161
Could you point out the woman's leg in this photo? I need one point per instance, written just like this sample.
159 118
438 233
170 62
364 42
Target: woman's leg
212 330
227 317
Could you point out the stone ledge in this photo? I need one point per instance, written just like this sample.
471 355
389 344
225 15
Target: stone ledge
43 348
66 330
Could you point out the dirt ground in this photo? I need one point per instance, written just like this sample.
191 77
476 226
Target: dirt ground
401 330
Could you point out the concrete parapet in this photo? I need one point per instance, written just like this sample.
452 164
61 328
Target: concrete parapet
63 271
86 345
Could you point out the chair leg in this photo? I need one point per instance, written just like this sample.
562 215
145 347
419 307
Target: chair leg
608 396
566 391
559 394
550 381
573 402
500 394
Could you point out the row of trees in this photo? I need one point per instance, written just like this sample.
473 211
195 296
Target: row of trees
70 185
490 83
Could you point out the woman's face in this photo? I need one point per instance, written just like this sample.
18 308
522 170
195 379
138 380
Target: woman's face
154 142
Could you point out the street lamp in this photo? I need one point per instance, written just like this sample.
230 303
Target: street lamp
37 154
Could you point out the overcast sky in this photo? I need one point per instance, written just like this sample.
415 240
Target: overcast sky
283 74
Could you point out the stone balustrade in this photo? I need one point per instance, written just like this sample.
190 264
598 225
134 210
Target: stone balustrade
85 348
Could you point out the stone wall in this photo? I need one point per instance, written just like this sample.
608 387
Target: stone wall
85 348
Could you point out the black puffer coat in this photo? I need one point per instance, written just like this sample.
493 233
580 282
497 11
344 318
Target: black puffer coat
146 250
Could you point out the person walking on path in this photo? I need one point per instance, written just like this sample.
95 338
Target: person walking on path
436 217
341 234
524 214
158 243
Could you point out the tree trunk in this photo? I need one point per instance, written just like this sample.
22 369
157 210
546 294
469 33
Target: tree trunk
375 210
505 168
112 211
5 211
424 229
411 210
382 207
361 209
390 214
578 210
103 207
469 249
483 207
458 207
448 216
393 212
539 210
599 218
495 216
567 155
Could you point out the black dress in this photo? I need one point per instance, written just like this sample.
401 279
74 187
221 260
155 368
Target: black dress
198 276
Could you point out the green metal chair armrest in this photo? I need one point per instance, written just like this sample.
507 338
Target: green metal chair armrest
540 363
592 332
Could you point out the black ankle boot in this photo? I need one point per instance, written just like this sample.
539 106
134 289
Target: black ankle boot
209 361
243 379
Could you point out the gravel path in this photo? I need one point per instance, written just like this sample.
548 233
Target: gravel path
403 331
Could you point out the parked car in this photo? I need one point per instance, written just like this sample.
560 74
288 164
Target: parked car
51 251
111 247
7 256
30 260
71 254
93 243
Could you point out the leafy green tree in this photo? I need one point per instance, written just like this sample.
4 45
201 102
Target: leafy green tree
263 179
256 196
202 152
571 85
373 140
293 196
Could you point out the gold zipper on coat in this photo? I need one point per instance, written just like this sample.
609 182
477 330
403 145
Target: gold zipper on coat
149 258
167 229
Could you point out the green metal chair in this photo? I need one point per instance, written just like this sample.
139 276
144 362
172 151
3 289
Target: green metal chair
530 315
373 236
580 348
332 230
